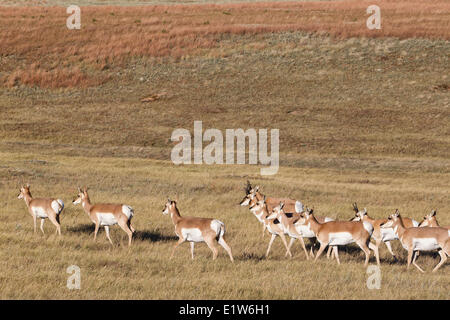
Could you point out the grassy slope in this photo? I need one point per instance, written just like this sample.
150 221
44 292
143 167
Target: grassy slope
360 120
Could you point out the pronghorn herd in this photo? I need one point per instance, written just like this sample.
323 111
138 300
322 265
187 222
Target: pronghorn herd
279 216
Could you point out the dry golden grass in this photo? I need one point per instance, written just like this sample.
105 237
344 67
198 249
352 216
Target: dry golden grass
360 119
38 49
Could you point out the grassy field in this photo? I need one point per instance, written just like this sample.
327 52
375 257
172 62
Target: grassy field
361 118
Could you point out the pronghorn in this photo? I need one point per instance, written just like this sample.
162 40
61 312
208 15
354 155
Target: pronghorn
195 229
430 221
336 233
381 235
270 201
106 215
296 230
252 196
42 208
420 239
259 209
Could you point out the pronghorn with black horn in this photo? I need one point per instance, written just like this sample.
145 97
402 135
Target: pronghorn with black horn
430 221
106 215
337 233
296 230
420 239
381 235
42 208
193 229
259 209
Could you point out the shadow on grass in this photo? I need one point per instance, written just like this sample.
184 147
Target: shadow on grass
142 235
153 236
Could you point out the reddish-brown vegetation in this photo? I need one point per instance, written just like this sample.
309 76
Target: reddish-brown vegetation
38 49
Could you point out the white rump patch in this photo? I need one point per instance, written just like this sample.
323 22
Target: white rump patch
298 207
106 219
39 212
57 206
368 226
388 234
128 211
328 219
216 225
340 238
425 244
192 234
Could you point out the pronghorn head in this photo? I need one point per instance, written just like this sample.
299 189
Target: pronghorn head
276 211
308 213
257 206
359 215
249 199
81 196
393 220
169 206
429 220
24 190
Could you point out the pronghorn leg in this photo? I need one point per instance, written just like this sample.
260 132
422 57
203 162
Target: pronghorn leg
329 253
336 254
226 247
283 238
410 256
34 223
130 226
107 235
291 242
264 230
192 249
304 247
58 227
388 245
366 250
97 225
180 241
374 248
42 226
55 221
443 259
213 248
321 249
414 262
270 244
126 228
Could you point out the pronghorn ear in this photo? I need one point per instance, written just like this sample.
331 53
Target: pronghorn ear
433 213
397 213
365 210
355 207
257 188
281 205
27 186
79 190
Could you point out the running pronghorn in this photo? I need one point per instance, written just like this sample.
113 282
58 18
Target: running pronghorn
420 239
336 233
381 235
106 215
296 230
42 208
259 209
193 229
430 221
